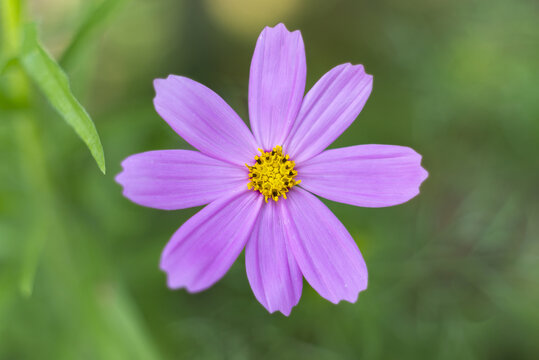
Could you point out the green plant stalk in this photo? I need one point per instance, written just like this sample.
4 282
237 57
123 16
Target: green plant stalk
11 26
11 18
25 132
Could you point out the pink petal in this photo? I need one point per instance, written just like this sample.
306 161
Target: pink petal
364 175
178 179
326 254
271 268
327 110
276 84
204 248
203 119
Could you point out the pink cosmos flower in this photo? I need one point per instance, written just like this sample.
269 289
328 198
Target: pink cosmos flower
264 201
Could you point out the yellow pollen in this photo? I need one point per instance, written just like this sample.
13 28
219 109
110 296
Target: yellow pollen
272 174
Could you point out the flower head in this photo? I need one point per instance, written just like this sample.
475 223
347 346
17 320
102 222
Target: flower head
259 185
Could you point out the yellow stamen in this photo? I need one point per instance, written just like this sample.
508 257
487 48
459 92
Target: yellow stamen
273 174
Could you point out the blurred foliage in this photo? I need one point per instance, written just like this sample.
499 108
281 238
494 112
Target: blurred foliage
453 273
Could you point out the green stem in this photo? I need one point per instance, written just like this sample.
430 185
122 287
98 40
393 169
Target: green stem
11 18
26 134
11 12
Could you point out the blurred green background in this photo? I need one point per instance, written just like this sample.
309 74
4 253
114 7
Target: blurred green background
453 274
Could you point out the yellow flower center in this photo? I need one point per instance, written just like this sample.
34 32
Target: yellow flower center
272 174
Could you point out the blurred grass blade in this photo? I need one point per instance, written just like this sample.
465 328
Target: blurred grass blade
31 255
125 323
53 82
39 224
90 24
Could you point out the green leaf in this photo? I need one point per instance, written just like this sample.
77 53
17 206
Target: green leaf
89 26
53 82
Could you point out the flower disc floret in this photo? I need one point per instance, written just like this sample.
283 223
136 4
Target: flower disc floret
273 174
